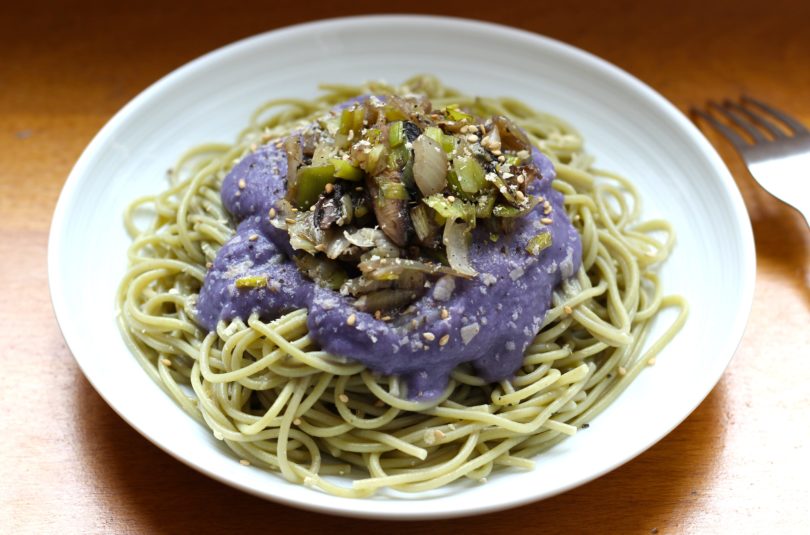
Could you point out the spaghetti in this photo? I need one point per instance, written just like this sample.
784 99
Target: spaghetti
279 402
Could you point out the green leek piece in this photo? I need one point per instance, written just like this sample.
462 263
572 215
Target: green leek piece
503 210
455 114
445 209
484 205
447 142
257 281
351 119
394 190
435 133
396 134
538 243
359 116
420 217
346 121
503 188
470 173
407 175
397 157
311 182
401 159
345 170
374 158
392 113
455 186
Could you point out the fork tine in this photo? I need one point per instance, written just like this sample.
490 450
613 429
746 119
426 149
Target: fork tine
728 112
794 125
771 127
730 134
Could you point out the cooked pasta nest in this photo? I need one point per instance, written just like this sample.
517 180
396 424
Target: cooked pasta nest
282 404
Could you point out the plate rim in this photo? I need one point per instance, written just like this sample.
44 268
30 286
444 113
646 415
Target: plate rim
68 192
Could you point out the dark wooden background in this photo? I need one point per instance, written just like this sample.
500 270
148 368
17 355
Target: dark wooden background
68 464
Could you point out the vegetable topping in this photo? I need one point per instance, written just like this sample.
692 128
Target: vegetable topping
382 196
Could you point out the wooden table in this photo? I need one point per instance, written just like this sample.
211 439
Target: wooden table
69 464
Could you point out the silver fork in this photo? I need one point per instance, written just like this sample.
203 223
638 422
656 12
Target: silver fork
778 156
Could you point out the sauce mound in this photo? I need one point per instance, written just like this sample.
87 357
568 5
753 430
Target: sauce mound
482 304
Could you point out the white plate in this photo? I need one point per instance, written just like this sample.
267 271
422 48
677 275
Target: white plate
629 127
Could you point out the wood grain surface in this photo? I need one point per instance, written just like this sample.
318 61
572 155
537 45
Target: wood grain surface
68 464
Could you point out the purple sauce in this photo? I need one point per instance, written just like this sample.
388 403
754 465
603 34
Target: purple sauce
492 318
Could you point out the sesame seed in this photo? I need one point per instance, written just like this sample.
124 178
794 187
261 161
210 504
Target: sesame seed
498 153
244 462
242 183
520 179
450 198
297 421
351 320
651 362
344 398
567 309
444 339
622 370
209 265
312 208
272 213
166 362
546 220
429 336
329 188
472 138
253 237
523 154
439 434
464 129
445 314
520 196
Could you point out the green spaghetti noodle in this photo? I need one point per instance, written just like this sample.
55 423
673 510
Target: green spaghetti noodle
280 403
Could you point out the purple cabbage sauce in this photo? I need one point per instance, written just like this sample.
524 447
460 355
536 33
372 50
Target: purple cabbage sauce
492 318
